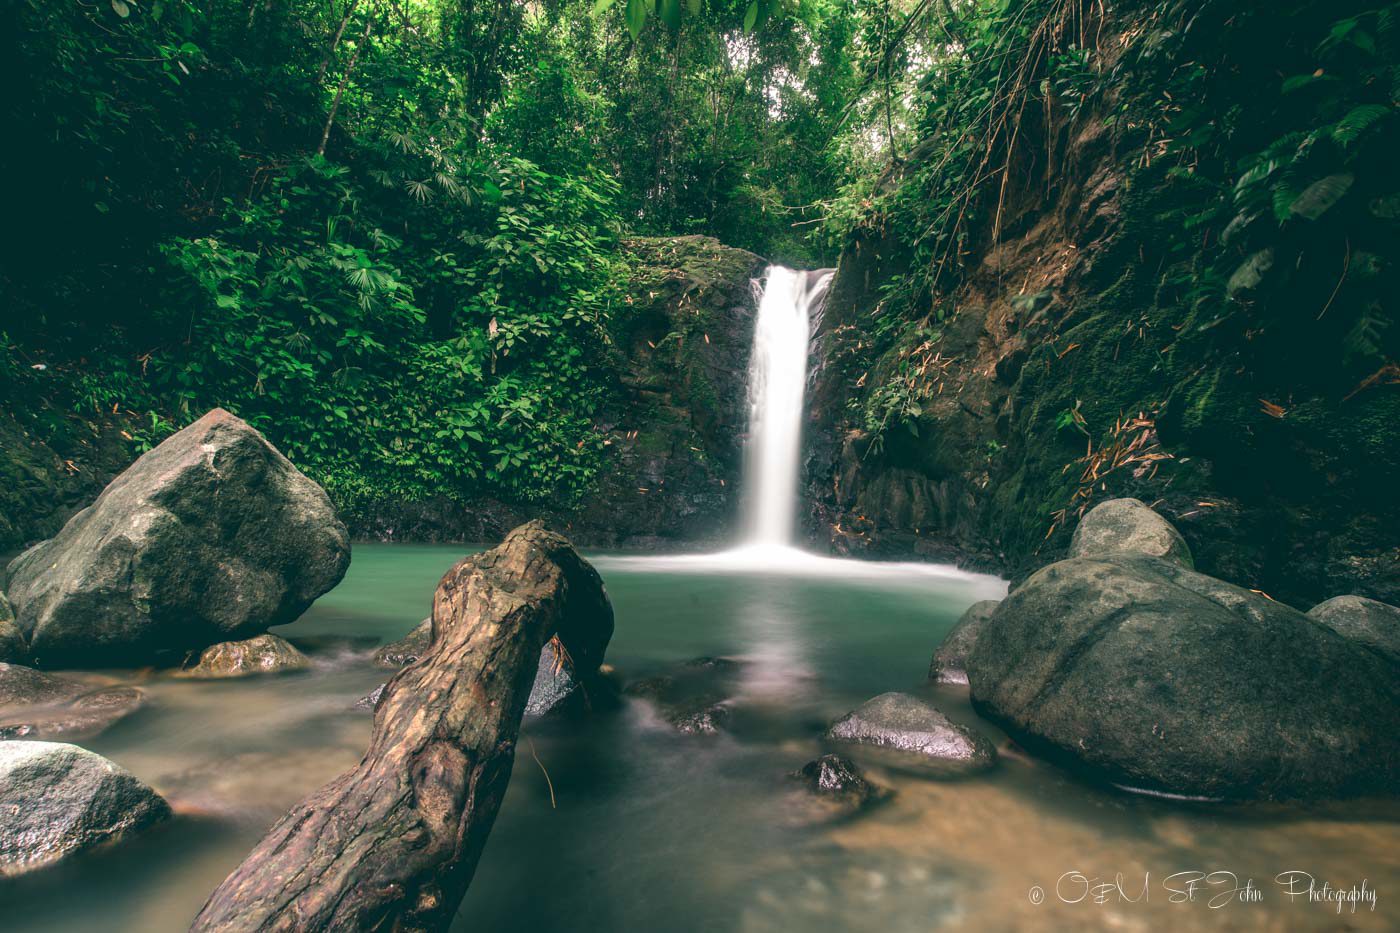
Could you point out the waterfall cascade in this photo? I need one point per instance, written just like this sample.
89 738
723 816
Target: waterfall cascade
789 301
777 389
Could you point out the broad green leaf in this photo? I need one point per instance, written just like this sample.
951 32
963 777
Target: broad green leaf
1319 197
636 17
694 6
671 13
120 8
602 6
751 16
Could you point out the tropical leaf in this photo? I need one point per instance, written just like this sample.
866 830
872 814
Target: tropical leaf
1350 127
1320 197
636 17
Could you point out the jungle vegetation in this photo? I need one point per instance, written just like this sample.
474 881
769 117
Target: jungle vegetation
390 233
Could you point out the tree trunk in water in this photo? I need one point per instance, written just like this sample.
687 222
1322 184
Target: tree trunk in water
393 844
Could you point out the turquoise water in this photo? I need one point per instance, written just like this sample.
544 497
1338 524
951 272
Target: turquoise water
650 830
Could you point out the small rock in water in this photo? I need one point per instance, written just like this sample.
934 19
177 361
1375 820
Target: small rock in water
59 800
707 721
370 700
839 782
904 732
1366 621
949 664
35 705
265 654
408 649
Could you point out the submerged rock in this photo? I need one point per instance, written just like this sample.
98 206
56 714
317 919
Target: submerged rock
408 649
12 646
905 732
693 697
1153 676
949 664
59 800
34 705
264 654
1362 620
212 536
1127 525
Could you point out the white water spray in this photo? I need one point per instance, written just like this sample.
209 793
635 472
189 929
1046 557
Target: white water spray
773 461
777 389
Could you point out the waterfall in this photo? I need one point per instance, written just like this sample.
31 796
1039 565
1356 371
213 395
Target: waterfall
777 388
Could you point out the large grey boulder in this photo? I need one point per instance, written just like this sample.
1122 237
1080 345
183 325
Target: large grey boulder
59 800
12 646
1362 620
904 732
949 664
35 705
262 654
212 536
1126 525
1156 677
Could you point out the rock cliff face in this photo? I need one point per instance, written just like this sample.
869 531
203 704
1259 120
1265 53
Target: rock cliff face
1064 369
674 427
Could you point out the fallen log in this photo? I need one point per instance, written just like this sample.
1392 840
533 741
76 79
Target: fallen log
393 844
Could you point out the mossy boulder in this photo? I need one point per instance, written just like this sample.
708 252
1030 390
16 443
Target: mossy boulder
212 536
1143 673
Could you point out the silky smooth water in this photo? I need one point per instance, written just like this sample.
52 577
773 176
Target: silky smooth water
777 389
656 831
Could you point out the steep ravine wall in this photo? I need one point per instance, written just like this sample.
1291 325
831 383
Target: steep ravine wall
1062 377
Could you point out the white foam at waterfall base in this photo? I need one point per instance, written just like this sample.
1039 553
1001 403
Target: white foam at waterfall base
772 462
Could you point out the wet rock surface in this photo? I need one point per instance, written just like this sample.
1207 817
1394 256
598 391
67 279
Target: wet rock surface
35 705
1152 676
832 788
949 664
212 536
60 800
904 732
263 654
1365 621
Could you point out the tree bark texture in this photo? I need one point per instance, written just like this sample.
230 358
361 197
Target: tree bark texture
393 844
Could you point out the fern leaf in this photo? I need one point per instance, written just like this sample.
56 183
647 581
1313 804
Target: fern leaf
1350 127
